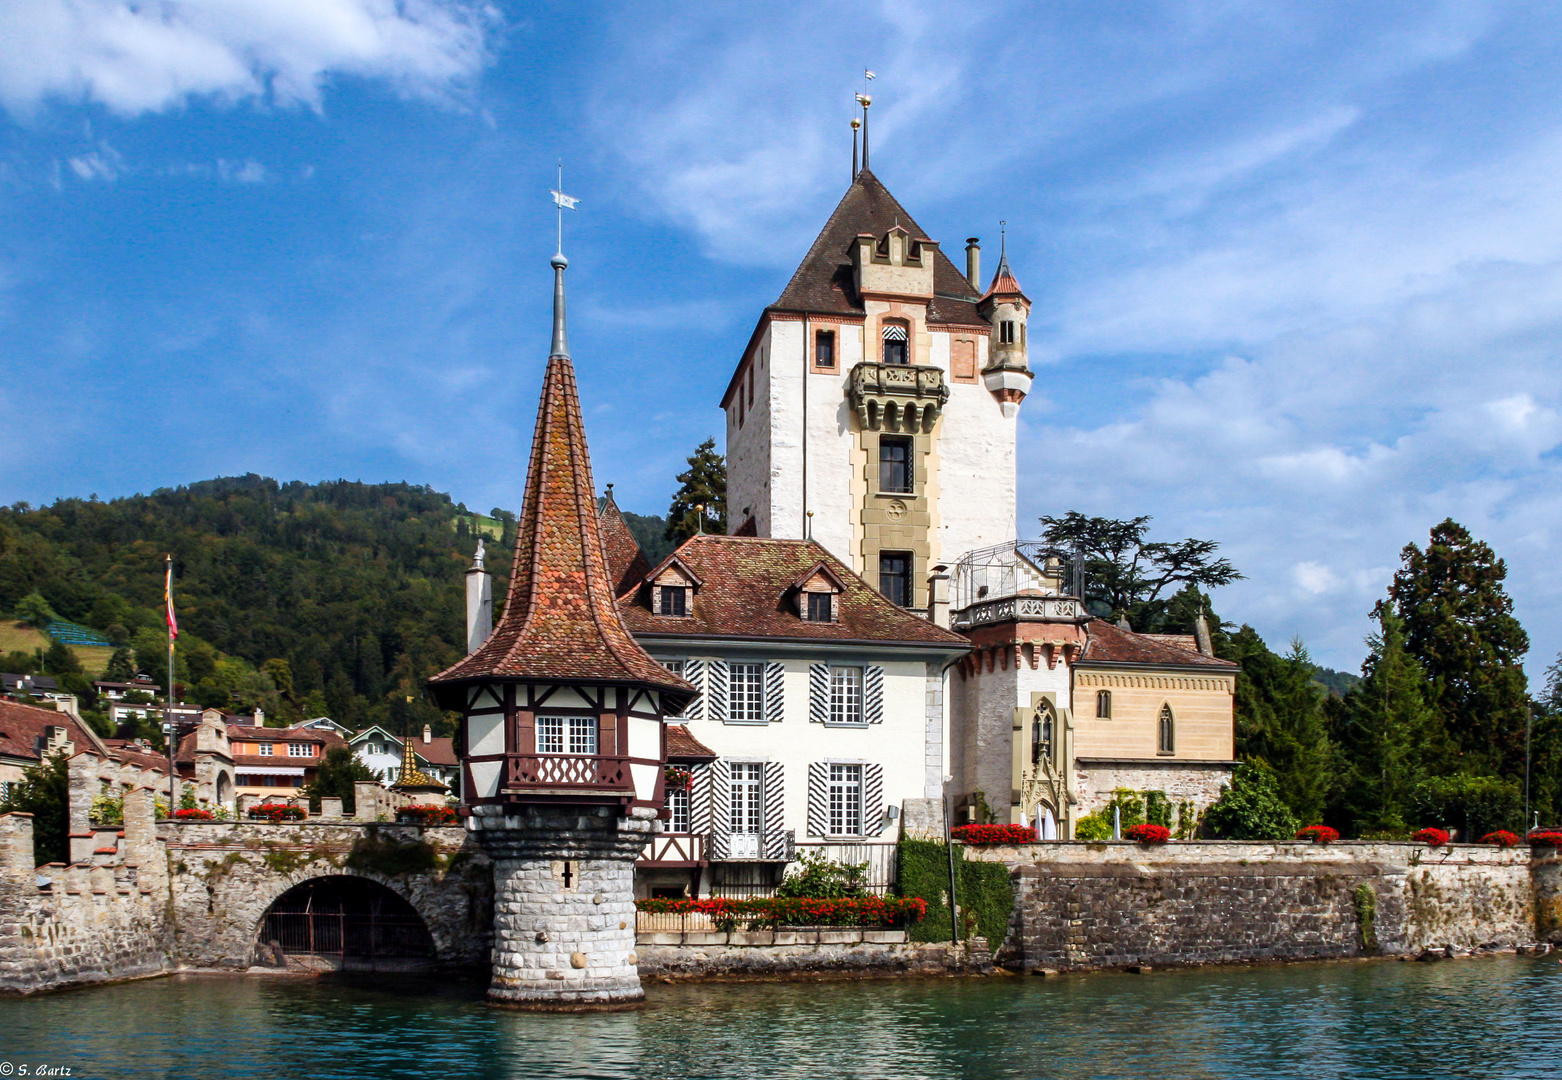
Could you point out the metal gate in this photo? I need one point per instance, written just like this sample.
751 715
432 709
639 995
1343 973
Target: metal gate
348 918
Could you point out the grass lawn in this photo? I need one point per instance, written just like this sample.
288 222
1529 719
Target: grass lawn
16 636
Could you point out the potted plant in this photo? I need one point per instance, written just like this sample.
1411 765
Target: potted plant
1147 834
1318 834
994 834
1502 838
1430 837
427 814
1551 838
678 778
193 813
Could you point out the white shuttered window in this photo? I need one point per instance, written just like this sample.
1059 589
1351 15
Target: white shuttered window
845 695
746 694
845 794
747 797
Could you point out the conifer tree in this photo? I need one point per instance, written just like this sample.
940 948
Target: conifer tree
704 483
1279 713
1459 623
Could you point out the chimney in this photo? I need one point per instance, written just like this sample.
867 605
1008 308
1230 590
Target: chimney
428 734
260 716
973 262
938 596
479 602
1201 634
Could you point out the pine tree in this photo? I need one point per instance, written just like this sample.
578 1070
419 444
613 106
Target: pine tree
1385 730
1279 716
704 483
1459 623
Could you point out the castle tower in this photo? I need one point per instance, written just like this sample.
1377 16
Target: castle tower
875 407
563 746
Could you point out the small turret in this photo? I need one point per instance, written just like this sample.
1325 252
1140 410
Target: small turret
1007 308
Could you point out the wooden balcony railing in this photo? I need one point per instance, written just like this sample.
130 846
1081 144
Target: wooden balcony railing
567 773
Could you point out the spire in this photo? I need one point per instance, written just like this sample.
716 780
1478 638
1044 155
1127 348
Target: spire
413 778
1004 282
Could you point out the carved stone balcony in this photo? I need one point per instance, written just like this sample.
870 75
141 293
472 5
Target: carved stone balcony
566 774
897 397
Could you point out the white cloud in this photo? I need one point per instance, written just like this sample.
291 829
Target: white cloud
148 57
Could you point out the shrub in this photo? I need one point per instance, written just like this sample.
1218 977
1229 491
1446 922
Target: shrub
193 813
796 910
1502 838
427 814
1546 838
994 834
985 890
1148 834
824 879
1476 804
1250 808
1094 828
1318 834
277 812
1430 837
107 810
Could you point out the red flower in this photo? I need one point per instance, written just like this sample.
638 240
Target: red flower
994 834
1502 838
1431 837
427 814
277 812
1546 838
1148 834
1318 834
192 814
796 911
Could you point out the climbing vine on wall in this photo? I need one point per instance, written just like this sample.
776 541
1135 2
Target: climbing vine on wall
984 890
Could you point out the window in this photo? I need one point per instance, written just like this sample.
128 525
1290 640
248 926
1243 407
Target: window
895 464
265 749
895 345
746 694
824 349
1041 735
1103 704
678 810
819 607
674 600
845 695
845 800
300 749
1006 332
675 666
567 735
747 809
895 577
1168 732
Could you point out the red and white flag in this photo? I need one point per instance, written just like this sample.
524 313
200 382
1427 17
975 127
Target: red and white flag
168 596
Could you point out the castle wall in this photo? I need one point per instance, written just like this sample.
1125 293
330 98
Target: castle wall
748 450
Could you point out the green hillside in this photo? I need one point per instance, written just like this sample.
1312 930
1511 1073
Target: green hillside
334 599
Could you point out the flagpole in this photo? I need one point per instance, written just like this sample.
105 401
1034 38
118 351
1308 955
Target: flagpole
168 700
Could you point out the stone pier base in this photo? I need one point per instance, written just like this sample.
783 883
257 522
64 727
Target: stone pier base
564 908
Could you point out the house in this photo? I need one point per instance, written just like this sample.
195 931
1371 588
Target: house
383 752
30 686
264 761
119 691
323 723
28 734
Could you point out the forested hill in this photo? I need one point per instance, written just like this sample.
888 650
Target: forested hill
333 599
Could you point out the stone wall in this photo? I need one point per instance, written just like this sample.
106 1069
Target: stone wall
844 960
1103 905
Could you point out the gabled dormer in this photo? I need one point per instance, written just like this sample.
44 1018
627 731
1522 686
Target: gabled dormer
671 588
894 263
817 594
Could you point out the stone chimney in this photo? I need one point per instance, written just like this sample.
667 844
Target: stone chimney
1201 635
973 262
938 596
479 602
428 734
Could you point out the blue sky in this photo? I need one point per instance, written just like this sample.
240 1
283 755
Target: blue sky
1296 267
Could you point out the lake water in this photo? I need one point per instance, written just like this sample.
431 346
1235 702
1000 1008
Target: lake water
1490 1017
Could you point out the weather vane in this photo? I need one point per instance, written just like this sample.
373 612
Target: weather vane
563 202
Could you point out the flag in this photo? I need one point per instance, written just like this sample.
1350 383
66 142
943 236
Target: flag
868 74
563 201
168 597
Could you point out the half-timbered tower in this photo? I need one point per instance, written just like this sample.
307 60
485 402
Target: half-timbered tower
563 744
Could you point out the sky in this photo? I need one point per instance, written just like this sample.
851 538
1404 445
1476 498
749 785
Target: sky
1296 267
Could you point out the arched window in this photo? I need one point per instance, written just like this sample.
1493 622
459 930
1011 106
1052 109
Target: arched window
1041 734
1103 704
895 348
1168 732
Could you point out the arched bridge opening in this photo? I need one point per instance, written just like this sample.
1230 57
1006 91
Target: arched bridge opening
344 922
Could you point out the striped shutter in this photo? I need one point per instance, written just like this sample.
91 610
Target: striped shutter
773 844
819 693
775 694
818 798
873 694
716 690
720 808
872 800
694 672
700 798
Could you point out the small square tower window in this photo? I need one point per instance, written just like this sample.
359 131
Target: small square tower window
1006 332
824 349
895 351
895 577
1103 704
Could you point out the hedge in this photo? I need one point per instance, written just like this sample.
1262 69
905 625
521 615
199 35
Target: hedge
985 890
794 910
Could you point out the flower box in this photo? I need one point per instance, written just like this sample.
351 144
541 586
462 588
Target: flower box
678 779
770 912
1502 838
1430 837
193 814
994 834
427 814
277 812
1147 834
1318 834
1551 838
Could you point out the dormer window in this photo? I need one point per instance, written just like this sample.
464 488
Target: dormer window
820 607
816 594
672 600
895 351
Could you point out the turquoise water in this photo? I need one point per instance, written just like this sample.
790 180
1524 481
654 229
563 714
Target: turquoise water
1365 1021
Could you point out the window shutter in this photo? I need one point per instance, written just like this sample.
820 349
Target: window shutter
720 808
873 694
818 798
775 693
699 798
818 694
872 800
694 672
716 690
773 844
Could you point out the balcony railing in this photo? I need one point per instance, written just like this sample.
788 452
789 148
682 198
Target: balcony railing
567 773
666 849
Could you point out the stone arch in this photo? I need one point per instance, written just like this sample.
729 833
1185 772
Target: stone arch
224 791
346 920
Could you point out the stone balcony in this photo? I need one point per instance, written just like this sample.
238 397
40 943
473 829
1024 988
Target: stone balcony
897 397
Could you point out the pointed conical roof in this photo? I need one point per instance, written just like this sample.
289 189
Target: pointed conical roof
560 622
626 562
823 281
1004 283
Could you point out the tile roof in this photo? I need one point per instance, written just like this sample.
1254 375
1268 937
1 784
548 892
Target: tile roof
823 280
626 562
21 726
1003 283
560 622
748 592
682 746
1108 644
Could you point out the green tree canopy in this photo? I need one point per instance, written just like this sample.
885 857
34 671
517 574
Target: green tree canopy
1127 574
703 483
43 792
1459 623
35 611
121 666
339 770
1280 722
1250 807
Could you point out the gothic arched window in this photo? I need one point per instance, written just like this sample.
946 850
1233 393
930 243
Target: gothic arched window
1167 743
1103 704
1041 734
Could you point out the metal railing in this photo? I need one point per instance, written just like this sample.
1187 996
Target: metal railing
355 935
